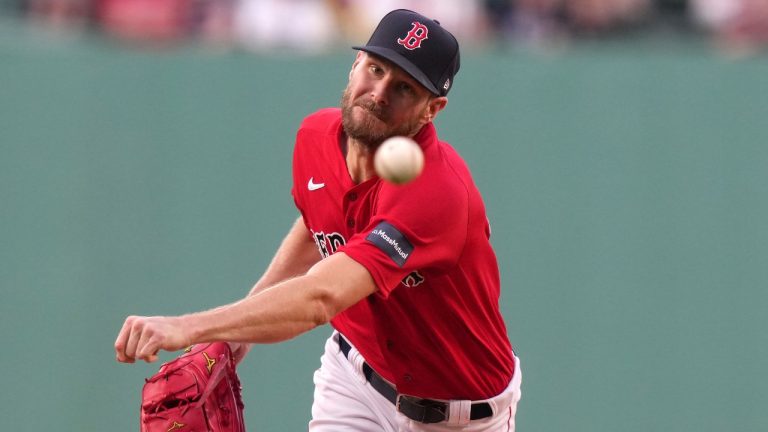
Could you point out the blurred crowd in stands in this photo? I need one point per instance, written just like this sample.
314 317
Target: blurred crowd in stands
314 26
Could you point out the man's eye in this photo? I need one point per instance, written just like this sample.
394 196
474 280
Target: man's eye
406 88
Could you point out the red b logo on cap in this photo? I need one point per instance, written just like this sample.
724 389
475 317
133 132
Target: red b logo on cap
414 37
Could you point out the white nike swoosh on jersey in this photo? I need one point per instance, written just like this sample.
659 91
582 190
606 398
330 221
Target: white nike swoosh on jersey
314 186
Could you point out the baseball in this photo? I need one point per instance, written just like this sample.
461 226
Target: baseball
398 160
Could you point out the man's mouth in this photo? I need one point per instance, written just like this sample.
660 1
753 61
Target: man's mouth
372 109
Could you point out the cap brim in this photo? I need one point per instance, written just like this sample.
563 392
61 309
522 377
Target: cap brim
401 61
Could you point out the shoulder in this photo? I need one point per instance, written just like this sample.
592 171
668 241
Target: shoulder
443 188
452 163
446 168
323 120
442 163
318 131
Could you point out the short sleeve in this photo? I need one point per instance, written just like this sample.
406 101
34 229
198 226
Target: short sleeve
417 227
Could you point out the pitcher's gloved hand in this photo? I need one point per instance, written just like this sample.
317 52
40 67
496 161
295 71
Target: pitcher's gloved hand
198 391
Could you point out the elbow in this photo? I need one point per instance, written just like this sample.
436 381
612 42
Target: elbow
322 316
323 311
325 305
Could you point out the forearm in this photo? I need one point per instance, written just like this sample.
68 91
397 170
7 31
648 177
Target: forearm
281 312
288 309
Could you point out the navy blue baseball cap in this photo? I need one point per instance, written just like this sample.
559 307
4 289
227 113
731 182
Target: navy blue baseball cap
419 45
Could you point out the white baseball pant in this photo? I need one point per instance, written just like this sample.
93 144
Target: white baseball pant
345 402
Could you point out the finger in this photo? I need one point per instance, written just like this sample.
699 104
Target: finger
134 336
122 341
148 346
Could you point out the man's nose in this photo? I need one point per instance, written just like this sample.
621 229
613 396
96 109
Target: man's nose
380 92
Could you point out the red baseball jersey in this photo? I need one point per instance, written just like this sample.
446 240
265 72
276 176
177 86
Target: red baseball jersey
433 328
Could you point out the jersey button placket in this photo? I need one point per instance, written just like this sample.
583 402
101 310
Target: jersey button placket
350 207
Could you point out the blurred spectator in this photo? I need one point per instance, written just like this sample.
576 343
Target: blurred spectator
542 21
464 18
315 26
166 21
213 21
144 20
305 26
603 16
59 14
740 26
537 22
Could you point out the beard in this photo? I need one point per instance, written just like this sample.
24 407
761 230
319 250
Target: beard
373 127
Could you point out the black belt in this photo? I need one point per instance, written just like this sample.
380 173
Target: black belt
415 408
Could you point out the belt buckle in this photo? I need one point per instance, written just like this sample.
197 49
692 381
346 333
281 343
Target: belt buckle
429 411
400 397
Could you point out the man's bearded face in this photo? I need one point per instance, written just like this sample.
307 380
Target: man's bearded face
370 123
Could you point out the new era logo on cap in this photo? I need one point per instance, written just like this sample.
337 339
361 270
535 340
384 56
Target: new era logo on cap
420 46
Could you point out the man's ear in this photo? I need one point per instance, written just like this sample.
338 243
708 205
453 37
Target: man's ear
434 106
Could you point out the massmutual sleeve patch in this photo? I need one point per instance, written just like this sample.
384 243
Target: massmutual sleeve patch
391 241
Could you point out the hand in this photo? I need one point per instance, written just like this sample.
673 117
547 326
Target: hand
142 337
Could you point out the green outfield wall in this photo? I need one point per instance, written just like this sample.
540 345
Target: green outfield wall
626 186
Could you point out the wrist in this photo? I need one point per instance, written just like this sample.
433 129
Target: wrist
190 329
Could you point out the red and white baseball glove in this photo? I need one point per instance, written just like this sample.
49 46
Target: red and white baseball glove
197 392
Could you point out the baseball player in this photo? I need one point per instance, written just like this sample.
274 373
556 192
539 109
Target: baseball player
405 274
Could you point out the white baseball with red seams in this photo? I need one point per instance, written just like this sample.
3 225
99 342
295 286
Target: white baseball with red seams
398 160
